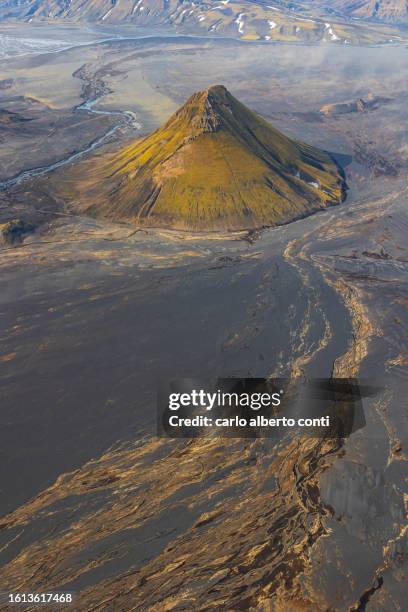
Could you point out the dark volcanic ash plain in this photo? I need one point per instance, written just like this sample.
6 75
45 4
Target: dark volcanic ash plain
92 313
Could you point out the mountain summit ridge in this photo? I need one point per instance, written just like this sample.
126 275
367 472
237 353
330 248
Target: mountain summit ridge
203 108
215 164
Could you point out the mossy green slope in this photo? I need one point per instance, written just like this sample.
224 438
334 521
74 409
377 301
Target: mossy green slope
214 165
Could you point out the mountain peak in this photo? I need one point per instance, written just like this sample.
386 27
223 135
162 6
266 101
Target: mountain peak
204 110
215 164
214 91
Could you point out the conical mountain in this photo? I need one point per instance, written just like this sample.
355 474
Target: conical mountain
214 165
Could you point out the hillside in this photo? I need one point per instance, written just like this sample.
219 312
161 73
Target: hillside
310 21
354 106
215 164
395 11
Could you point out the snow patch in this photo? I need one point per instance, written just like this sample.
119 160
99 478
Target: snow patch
240 22
330 32
136 6
106 15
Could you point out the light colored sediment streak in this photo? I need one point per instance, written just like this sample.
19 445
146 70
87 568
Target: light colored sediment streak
348 365
258 540
304 348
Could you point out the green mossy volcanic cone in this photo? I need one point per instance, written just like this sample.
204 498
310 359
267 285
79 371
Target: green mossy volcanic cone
215 164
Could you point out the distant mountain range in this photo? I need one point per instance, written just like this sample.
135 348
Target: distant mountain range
214 165
386 10
243 18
